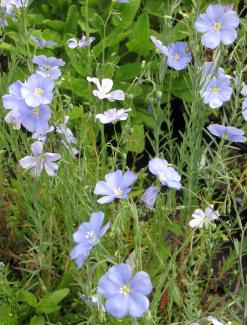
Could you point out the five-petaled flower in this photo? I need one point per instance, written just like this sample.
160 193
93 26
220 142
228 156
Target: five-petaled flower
167 175
217 90
48 66
87 236
125 295
116 186
201 218
227 132
218 25
40 160
113 115
104 90
178 55
37 90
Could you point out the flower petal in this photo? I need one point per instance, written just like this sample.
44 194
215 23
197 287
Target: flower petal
117 306
141 283
138 304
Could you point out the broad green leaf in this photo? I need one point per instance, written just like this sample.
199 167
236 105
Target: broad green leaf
115 37
142 115
29 298
55 297
77 112
157 8
70 26
128 71
54 24
78 86
127 12
140 43
37 320
136 139
47 308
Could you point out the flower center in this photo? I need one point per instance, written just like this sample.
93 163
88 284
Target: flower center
217 26
125 289
118 192
39 91
177 56
36 111
91 237
214 90
163 176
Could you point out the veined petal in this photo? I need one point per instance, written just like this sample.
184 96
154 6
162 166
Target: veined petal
27 162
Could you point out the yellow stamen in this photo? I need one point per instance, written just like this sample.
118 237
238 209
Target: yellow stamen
118 192
177 56
39 91
214 90
125 289
217 26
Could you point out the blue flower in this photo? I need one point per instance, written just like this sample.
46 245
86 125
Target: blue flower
228 132
41 42
87 236
40 160
37 90
218 25
178 56
35 119
82 43
125 295
12 101
48 66
116 186
217 91
41 136
167 175
149 197
48 62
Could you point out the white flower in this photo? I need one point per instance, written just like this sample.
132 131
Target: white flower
113 115
214 321
201 218
104 90
83 42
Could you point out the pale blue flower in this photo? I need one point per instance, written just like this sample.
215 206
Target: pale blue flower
125 295
104 90
48 66
40 160
218 25
37 90
88 236
116 186
228 132
48 62
35 119
217 91
113 115
42 136
167 175
178 55
12 101
149 197
41 42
